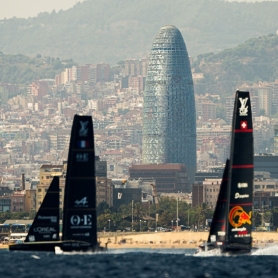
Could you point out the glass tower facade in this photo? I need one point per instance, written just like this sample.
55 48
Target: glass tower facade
169 121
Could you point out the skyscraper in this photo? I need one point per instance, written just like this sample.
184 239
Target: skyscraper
169 121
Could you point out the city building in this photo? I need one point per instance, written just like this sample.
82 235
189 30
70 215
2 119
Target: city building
275 147
169 117
197 193
169 178
104 190
216 173
205 108
125 196
206 192
137 190
267 163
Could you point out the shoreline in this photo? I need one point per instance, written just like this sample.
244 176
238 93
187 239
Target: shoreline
169 240
173 240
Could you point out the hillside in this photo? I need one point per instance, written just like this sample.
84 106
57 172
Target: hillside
21 69
110 31
250 62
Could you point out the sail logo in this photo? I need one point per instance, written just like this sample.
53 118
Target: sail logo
83 131
120 195
52 219
82 202
239 229
44 230
242 185
84 220
238 196
83 144
238 217
243 125
82 157
243 110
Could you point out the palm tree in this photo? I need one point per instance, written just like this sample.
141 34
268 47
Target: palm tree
202 213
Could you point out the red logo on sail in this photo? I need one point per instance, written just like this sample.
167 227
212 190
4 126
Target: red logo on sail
238 216
243 125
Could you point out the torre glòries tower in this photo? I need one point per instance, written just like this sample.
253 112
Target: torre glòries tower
169 121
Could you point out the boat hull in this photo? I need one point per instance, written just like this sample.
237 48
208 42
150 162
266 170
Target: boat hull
229 250
66 246
236 250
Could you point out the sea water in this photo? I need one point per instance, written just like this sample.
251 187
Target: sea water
143 263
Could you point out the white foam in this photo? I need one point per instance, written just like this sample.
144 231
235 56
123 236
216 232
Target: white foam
267 251
210 253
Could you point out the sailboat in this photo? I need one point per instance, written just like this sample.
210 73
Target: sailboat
231 226
79 213
238 239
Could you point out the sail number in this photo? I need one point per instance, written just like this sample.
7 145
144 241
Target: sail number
85 219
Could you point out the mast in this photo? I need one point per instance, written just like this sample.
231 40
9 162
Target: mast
241 175
79 218
218 224
45 226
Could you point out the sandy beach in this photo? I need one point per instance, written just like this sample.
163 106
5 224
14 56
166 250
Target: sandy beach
173 239
170 239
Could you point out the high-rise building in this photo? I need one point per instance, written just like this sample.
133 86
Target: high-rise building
169 121
275 148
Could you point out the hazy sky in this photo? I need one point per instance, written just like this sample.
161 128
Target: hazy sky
31 8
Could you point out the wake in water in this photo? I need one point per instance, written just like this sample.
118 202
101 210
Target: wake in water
186 252
266 251
263 251
211 253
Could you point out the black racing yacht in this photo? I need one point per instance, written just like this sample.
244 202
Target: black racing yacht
231 225
238 236
79 213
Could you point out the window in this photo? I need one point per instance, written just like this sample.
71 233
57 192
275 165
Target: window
39 190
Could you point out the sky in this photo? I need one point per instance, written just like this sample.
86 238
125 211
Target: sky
31 8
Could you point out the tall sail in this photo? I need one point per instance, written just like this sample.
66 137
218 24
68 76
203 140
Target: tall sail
45 226
218 225
79 216
241 175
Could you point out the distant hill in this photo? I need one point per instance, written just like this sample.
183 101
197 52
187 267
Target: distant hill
21 69
110 31
250 62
